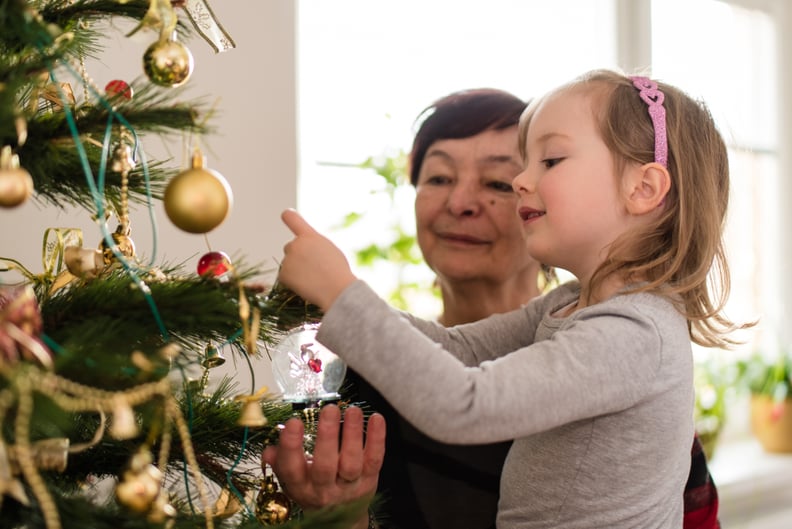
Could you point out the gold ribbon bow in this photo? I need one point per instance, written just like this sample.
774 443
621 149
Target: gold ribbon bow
206 23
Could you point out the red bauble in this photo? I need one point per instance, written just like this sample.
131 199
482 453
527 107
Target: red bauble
118 87
214 264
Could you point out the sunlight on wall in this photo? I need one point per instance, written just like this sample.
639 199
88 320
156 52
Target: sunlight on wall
367 69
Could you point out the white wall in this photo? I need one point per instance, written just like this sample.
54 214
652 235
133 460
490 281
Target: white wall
255 148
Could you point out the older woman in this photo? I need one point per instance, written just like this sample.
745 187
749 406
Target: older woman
462 163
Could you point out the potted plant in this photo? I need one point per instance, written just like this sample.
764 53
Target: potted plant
769 380
713 380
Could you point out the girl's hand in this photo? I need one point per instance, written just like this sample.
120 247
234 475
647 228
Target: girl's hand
313 267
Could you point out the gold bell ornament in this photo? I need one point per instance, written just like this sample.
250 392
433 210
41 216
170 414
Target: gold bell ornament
251 415
16 184
168 62
86 263
212 357
199 199
272 505
124 424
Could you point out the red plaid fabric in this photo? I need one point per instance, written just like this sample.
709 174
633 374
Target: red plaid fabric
701 495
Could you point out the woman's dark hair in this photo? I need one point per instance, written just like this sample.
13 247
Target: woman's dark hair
461 115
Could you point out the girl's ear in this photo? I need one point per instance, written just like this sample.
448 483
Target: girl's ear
645 187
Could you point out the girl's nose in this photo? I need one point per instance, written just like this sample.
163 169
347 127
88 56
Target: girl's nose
523 183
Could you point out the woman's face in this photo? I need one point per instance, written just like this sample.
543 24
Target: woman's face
465 208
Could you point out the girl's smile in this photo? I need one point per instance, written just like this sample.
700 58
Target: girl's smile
529 214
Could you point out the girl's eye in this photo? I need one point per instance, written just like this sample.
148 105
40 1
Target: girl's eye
551 162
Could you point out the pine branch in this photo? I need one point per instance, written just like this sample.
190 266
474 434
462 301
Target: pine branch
77 513
49 154
33 42
99 324
288 310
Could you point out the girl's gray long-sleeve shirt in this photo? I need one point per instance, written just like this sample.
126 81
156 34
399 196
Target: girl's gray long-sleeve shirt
599 403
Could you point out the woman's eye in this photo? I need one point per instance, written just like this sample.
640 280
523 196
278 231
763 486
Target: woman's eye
437 180
551 162
498 185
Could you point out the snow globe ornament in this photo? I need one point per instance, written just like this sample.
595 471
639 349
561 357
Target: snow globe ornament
307 372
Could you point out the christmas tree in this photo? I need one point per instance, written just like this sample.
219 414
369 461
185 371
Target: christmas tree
108 415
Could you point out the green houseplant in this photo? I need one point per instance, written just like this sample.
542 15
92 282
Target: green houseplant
769 380
396 246
714 381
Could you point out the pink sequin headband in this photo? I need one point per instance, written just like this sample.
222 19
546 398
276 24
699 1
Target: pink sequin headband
653 97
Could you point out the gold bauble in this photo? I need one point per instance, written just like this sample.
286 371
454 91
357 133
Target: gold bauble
198 200
272 506
16 184
122 242
168 63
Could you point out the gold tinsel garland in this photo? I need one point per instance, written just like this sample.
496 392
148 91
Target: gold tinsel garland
26 379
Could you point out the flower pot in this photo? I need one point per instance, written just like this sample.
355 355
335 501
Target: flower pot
771 422
709 440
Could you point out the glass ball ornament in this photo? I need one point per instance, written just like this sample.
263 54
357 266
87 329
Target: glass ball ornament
199 199
305 371
117 87
272 505
122 243
168 63
214 264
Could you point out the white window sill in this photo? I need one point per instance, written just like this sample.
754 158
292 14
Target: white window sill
754 486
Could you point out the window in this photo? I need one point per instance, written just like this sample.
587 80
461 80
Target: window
732 67
367 69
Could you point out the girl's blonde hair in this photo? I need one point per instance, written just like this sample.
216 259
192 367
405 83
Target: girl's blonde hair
681 254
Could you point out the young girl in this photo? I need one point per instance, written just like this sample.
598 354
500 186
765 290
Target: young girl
626 186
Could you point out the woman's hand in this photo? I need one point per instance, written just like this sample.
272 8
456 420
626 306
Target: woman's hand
313 267
332 476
